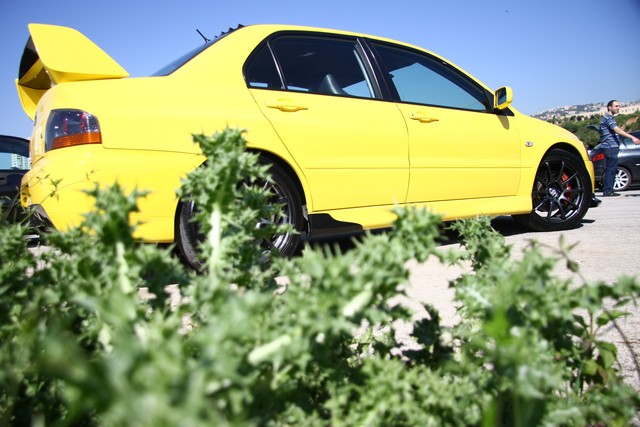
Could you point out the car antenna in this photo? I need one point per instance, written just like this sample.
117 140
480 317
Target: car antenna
206 40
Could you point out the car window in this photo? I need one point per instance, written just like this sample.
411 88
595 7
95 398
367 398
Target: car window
13 156
179 62
323 65
261 70
422 79
627 143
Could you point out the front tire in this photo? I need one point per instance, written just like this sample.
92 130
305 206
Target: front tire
561 193
284 194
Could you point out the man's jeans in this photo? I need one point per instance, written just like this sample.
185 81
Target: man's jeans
611 159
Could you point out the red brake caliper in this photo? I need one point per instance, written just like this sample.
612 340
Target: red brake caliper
568 195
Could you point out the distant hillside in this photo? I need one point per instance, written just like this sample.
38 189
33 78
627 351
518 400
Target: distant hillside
578 123
585 111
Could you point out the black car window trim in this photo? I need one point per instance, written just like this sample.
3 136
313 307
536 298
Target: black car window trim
387 93
446 70
363 56
367 58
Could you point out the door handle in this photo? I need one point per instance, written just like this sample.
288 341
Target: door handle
285 105
422 118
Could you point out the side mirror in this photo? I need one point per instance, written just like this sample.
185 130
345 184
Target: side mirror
502 98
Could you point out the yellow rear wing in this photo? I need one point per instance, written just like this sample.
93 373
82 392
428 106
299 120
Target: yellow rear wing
56 54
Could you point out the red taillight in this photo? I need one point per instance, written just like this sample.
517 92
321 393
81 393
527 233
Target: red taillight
599 156
66 128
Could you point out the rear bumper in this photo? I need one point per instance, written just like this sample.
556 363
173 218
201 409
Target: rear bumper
39 218
57 186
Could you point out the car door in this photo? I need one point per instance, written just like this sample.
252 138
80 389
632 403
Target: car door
351 146
459 147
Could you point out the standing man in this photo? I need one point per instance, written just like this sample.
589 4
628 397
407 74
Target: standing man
610 142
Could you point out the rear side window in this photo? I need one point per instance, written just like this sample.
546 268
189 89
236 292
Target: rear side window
322 65
14 154
261 70
422 79
179 62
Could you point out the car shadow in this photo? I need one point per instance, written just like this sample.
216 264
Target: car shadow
505 225
344 243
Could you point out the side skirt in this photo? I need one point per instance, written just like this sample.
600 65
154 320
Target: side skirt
324 225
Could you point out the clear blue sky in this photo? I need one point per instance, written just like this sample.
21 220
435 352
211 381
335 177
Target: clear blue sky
551 52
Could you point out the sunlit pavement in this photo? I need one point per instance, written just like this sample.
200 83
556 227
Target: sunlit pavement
607 247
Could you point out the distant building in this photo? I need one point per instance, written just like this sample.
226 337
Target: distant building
20 162
628 109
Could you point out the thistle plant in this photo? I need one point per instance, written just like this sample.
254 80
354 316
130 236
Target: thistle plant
302 341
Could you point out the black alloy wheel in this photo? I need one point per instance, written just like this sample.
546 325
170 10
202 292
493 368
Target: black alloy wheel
561 193
284 195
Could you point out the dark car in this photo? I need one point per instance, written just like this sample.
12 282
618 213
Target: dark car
14 163
628 173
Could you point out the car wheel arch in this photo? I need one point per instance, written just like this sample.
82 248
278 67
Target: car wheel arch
564 146
270 157
264 156
560 194
568 148
285 183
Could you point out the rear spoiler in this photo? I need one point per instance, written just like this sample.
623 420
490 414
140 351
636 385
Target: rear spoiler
54 55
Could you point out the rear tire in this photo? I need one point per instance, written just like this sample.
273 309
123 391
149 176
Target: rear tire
188 234
284 193
561 193
622 179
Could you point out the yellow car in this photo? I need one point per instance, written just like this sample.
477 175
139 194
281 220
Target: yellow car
352 125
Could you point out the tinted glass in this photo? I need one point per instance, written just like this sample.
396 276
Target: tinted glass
628 143
322 65
14 162
422 79
261 70
179 62
13 155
